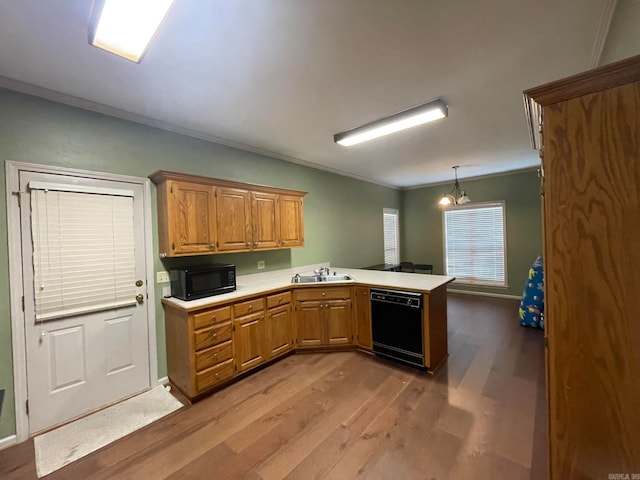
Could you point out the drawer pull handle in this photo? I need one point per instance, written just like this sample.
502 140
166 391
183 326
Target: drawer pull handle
250 307
323 294
213 318
214 335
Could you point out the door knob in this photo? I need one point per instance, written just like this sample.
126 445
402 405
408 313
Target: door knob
139 298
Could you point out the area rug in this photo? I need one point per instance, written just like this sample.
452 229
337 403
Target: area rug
72 441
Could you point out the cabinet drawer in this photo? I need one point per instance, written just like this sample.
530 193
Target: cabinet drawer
278 299
208 317
251 306
213 356
213 335
315 293
214 375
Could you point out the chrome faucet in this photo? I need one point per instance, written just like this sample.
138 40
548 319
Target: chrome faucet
322 271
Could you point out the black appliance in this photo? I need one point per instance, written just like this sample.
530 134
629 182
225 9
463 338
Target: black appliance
396 322
203 281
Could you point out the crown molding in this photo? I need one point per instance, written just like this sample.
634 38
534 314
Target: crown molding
471 179
84 104
604 22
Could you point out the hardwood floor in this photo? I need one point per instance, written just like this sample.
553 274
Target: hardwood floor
350 415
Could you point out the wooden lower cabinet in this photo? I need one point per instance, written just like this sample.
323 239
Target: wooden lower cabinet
209 346
249 335
339 322
362 305
199 348
324 317
309 324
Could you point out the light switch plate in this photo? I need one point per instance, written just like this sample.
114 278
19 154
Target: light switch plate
162 277
260 264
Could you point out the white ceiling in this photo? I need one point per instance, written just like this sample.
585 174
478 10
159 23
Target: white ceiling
282 76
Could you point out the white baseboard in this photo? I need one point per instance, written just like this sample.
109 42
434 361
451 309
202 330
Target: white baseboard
163 380
8 441
485 294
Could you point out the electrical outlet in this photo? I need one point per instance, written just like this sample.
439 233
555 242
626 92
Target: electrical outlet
162 277
260 264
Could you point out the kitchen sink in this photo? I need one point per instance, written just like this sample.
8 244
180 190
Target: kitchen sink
320 278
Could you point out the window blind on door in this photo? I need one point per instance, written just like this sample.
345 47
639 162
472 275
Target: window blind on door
390 223
83 251
475 243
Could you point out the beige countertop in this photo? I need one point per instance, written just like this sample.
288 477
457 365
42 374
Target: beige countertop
259 283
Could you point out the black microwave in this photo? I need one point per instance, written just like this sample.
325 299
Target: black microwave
203 281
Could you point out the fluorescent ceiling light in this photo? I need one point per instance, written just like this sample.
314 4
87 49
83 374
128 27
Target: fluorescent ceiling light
427 112
125 27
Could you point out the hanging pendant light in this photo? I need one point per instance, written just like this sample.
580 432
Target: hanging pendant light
456 196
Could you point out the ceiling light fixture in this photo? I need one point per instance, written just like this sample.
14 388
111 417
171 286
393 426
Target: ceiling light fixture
125 27
456 196
427 112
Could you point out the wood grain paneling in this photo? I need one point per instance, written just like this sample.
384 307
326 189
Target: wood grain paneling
233 217
214 355
591 208
209 317
206 337
362 304
592 229
250 341
214 375
250 306
266 220
280 330
291 221
278 299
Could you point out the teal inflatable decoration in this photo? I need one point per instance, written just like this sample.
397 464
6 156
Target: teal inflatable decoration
532 304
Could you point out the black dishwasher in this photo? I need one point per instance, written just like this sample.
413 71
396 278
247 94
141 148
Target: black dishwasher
396 323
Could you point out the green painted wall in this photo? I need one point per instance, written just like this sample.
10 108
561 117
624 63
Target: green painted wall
421 221
343 216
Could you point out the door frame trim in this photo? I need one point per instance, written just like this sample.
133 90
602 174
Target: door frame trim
18 339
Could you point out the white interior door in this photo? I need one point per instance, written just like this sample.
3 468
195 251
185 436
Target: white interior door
86 333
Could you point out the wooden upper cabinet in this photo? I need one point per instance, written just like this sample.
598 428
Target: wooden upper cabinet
233 219
186 218
266 220
201 216
291 221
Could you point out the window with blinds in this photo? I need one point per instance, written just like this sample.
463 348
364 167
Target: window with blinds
83 250
391 241
475 249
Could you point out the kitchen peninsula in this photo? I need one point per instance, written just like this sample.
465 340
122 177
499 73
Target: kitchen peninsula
214 340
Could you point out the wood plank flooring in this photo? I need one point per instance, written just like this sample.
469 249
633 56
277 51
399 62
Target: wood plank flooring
349 415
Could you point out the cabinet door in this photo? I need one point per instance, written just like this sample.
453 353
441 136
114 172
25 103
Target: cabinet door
233 219
266 220
291 221
363 317
191 218
309 324
339 322
249 341
279 330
